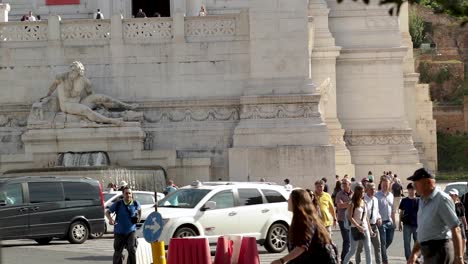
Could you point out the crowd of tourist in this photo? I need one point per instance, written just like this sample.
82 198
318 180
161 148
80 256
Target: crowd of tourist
99 15
433 222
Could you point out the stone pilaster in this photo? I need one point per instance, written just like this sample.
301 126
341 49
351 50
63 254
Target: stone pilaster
4 10
371 62
418 105
323 53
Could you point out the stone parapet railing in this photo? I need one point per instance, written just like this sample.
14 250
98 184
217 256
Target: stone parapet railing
84 29
135 30
149 29
23 31
212 27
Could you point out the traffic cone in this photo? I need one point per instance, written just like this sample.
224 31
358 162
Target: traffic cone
248 252
223 251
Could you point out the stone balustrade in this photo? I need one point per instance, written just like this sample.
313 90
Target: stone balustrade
135 30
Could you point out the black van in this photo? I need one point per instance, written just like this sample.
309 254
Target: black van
42 208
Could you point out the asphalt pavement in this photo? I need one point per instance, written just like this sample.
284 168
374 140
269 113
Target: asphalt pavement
101 250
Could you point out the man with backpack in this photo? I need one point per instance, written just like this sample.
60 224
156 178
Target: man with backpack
127 214
98 15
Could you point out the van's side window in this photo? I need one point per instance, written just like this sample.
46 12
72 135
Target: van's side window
12 194
78 191
41 192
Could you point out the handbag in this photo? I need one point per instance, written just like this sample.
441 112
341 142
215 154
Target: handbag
355 233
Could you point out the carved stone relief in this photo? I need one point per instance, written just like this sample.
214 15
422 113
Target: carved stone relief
192 114
272 111
378 139
147 29
23 31
210 27
90 30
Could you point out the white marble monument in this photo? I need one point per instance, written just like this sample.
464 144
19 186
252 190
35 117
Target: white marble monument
234 95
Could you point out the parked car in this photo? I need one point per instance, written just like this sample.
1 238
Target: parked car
42 208
460 186
146 200
212 209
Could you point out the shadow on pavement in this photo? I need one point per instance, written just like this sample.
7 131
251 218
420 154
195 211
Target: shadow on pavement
93 258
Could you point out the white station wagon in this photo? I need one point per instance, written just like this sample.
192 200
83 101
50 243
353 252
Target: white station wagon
212 209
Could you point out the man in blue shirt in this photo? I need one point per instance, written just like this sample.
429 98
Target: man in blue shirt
408 219
127 214
439 237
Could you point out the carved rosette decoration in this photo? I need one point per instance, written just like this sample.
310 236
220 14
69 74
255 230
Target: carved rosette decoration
86 30
211 27
194 114
148 29
274 111
23 31
366 138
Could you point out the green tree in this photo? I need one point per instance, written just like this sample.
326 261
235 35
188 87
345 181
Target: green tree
455 8
416 29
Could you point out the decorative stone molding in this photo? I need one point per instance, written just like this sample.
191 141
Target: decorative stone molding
378 137
23 31
274 111
213 26
193 114
151 28
12 121
85 29
336 140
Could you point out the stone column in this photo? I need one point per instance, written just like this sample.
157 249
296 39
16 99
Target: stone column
4 10
370 88
193 7
323 56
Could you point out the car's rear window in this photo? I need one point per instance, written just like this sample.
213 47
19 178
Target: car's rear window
273 196
183 198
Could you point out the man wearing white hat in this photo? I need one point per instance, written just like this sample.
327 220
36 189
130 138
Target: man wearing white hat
122 185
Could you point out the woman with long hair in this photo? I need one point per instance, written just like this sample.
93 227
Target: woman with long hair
360 229
314 202
308 239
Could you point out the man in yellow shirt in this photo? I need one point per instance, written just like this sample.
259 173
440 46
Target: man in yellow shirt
327 208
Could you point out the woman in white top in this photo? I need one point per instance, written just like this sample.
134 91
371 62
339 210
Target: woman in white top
360 230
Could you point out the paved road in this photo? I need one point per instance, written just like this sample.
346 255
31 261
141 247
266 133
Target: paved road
100 251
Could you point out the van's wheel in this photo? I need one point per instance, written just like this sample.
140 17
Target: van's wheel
276 238
43 241
78 232
185 232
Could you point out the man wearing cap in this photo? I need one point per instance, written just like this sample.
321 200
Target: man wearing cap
342 200
437 224
408 219
387 213
122 185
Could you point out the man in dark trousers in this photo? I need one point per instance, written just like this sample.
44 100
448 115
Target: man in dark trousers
127 214
439 237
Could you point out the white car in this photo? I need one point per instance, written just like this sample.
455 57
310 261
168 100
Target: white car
212 209
462 187
146 200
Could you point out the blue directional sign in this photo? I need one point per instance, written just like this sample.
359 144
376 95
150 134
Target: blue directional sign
153 227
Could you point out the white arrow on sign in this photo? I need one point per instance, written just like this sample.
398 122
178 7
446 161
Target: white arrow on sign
154 227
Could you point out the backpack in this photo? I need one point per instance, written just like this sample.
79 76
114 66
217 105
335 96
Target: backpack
98 16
